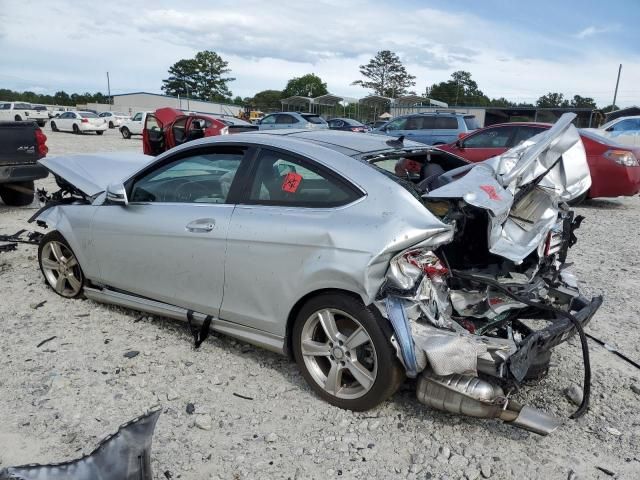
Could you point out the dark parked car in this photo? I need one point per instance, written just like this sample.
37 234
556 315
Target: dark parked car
347 124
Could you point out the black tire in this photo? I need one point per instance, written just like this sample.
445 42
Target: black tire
54 127
390 373
76 129
19 194
18 118
577 201
126 134
77 269
42 123
99 132
111 125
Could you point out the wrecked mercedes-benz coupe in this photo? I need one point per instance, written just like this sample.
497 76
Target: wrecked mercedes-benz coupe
322 245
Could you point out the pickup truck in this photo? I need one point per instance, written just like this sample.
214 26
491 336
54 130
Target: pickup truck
22 144
20 111
134 125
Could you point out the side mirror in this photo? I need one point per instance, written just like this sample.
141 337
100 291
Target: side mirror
117 195
610 129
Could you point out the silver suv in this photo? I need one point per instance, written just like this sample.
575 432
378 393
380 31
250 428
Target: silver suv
292 120
430 128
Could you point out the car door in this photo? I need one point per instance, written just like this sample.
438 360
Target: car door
397 127
486 143
280 233
154 141
418 128
135 125
284 120
65 121
169 242
445 129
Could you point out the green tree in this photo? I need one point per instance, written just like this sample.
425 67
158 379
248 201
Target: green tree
309 85
610 108
211 84
238 100
267 100
501 102
182 79
460 90
552 100
583 102
386 75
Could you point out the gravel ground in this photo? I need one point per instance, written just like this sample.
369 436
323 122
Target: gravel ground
58 400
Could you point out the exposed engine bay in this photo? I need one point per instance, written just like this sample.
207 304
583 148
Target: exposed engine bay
491 299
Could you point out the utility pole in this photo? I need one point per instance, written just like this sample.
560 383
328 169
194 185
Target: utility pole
186 86
109 91
615 94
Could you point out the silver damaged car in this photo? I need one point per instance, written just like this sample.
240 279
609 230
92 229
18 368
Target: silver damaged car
324 246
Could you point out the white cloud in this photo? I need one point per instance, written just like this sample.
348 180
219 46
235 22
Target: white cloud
267 43
591 31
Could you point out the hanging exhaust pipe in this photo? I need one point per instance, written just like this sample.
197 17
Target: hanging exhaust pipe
472 396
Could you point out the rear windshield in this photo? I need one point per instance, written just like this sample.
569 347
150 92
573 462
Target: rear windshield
313 119
471 122
39 107
88 115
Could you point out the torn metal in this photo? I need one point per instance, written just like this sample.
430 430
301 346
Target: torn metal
125 455
496 296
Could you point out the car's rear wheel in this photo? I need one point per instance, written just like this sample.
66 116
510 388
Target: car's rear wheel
19 194
99 132
344 352
54 127
125 132
60 266
18 118
76 129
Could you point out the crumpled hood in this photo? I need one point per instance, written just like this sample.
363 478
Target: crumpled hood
92 173
555 157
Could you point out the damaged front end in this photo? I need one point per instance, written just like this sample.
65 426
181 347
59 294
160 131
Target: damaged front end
486 307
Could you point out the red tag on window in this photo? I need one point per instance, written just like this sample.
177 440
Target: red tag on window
291 182
491 191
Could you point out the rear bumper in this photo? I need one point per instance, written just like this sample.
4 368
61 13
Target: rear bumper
87 127
22 173
538 343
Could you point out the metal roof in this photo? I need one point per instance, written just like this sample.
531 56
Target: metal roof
375 100
327 99
297 100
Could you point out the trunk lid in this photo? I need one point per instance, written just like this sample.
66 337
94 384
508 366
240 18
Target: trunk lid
92 173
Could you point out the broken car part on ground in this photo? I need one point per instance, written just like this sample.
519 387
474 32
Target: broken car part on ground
307 242
125 455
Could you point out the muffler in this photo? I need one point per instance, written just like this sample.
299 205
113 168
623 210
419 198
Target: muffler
468 395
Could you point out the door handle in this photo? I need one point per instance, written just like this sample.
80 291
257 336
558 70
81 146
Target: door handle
202 225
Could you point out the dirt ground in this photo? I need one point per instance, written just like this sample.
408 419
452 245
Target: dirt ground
58 400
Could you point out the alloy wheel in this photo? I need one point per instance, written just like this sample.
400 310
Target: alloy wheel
339 353
61 269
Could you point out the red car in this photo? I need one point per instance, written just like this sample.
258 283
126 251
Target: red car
615 169
167 128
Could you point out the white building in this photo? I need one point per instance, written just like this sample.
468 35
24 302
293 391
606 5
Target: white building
142 101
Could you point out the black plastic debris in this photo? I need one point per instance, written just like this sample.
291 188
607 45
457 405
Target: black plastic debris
132 353
191 408
125 455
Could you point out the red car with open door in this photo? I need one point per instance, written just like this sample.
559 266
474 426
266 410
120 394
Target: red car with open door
167 128
615 168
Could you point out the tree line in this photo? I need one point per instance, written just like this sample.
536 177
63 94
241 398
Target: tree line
205 77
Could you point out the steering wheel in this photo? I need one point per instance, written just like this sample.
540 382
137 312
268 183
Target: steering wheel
188 191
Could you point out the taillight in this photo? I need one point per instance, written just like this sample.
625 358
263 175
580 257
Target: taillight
622 157
41 143
224 131
84 120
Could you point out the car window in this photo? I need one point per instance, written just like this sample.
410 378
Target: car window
627 124
446 123
525 133
22 106
179 130
268 120
397 124
414 123
151 123
88 115
287 180
285 119
137 117
317 119
471 122
200 178
5 106
491 138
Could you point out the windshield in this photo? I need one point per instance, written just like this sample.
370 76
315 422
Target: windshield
314 119
471 122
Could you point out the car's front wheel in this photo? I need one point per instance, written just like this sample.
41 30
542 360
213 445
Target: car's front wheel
60 266
111 125
125 132
99 132
54 127
76 129
344 351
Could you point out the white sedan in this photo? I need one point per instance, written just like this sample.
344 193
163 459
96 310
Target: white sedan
114 119
79 122
625 130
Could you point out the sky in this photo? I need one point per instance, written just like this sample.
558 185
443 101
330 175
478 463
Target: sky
513 49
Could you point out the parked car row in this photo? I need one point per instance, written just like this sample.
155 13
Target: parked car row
79 122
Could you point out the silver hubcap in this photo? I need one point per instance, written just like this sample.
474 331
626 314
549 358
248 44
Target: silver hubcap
61 269
339 353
